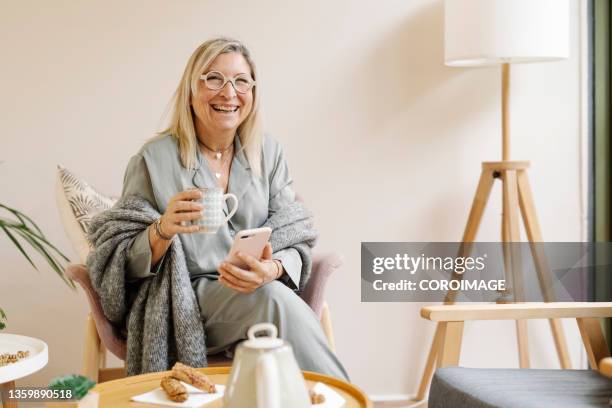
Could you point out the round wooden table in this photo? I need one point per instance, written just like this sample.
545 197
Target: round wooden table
117 393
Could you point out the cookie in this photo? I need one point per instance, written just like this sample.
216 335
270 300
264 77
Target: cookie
192 376
174 389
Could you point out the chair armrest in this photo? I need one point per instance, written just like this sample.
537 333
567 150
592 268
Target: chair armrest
605 366
108 334
515 311
322 268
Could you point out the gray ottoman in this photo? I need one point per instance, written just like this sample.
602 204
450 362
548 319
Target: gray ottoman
458 387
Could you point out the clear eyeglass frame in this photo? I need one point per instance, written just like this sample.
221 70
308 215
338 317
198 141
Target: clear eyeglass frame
238 88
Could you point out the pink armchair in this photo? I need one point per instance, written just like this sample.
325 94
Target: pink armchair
77 202
101 335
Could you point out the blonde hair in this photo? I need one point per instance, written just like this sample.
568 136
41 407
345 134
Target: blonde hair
181 124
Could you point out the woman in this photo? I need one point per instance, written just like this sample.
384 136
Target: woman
215 139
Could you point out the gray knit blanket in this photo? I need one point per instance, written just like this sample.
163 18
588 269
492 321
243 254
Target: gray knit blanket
161 313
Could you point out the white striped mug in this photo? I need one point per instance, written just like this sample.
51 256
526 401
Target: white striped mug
212 214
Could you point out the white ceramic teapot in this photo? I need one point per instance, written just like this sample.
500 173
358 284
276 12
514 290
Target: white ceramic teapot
265 374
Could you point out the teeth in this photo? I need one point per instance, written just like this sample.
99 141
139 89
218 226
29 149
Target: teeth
224 108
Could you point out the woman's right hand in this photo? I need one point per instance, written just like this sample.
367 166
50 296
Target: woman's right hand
181 208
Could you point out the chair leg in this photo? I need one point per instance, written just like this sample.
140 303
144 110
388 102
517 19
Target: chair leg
91 353
327 326
430 364
594 340
103 359
109 374
450 350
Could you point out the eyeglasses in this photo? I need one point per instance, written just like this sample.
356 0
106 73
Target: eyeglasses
215 80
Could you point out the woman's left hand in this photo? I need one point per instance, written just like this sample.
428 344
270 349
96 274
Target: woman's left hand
260 272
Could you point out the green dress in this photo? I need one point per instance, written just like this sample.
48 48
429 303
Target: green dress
156 174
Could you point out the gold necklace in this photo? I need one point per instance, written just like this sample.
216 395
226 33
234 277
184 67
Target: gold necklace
218 172
218 153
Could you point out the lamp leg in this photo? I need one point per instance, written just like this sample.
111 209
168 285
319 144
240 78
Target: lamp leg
485 185
483 191
512 235
534 234
516 195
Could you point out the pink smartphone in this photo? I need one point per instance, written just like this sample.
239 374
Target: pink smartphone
252 242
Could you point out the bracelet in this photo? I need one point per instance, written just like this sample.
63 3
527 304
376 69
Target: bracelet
280 268
159 232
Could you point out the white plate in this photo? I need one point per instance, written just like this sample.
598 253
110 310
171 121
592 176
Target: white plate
38 358
195 398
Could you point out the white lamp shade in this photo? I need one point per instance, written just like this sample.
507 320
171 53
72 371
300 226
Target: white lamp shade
489 32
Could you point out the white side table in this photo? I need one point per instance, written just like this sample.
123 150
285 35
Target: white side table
38 358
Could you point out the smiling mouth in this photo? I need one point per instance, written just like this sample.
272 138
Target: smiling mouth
225 108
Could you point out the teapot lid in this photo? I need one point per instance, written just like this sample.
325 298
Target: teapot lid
263 342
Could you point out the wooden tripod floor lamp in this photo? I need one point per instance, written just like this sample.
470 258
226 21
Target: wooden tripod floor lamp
503 32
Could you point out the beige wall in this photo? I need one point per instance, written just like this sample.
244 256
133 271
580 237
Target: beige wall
383 140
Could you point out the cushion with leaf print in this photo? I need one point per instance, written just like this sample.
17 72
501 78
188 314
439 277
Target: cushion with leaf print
77 203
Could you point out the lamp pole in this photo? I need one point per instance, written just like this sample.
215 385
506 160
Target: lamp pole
505 111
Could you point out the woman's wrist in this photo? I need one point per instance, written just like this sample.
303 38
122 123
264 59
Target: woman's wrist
158 245
279 266
156 240
276 270
157 225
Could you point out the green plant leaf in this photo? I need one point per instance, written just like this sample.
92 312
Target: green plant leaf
44 242
27 229
78 384
48 256
21 217
17 244
47 243
38 247
2 319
